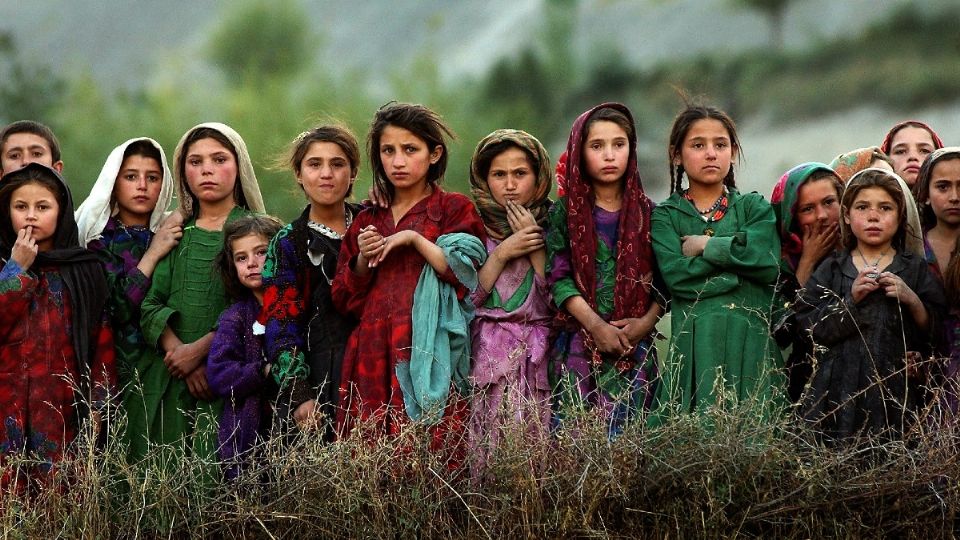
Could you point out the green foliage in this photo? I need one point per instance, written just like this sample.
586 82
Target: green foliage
263 39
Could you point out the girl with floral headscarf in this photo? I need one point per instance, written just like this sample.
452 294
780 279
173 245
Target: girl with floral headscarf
601 270
806 202
510 181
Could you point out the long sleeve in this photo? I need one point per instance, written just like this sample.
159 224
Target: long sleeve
16 290
231 371
753 252
127 287
284 309
349 289
154 311
103 370
825 307
559 268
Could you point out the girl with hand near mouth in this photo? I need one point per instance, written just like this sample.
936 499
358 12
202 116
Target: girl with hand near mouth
602 273
510 180
719 253
871 310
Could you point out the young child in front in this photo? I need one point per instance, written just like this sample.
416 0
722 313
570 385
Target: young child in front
402 272
601 269
56 348
216 185
719 253
510 179
871 311
236 366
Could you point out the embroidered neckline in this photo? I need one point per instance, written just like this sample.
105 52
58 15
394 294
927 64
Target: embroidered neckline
327 231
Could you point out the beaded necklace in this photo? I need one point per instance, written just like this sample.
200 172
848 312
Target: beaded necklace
716 211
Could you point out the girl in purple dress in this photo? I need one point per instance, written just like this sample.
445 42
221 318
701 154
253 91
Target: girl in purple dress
236 369
510 181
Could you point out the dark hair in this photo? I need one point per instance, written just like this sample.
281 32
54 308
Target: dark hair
921 189
332 133
879 154
681 126
145 149
875 179
36 128
822 174
888 140
198 135
486 156
40 175
260 225
417 119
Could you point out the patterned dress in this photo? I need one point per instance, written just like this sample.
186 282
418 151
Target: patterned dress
38 367
383 300
120 248
948 342
511 340
304 333
187 295
579 376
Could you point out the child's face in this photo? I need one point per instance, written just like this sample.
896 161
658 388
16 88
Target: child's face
22 148
249 252
511 177
706 152
137 189
34 205
817 202
606 152
873 217
325 174
211 171
909 147
945 191
405 157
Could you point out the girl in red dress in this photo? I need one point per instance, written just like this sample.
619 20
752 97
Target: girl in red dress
381 260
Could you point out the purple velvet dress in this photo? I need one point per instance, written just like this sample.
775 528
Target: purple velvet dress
235 373
510 338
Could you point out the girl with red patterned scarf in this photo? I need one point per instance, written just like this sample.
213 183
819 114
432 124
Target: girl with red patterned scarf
601 270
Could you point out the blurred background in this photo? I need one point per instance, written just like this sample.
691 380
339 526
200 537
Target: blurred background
804 79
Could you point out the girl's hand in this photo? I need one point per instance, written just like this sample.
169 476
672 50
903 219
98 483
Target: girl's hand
520 243
519 217
610 339
167 236
914 362
693 245
864 284
307 415
183 360
819 240
25 249
197 384
894 287
371 244
394 241
376 198
635 328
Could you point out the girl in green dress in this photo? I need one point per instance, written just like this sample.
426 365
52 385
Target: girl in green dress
216 184
719 254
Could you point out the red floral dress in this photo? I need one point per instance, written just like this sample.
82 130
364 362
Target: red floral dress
38 368
383 301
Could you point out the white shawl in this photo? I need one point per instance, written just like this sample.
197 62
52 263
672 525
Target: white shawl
248 178
93 214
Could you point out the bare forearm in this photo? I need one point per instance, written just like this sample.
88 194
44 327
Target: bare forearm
491 270
432 253
581 311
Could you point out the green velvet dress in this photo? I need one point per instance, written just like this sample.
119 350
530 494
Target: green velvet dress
721 303
188 295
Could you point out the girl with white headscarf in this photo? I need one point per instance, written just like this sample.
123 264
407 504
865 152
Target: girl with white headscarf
122 222
216 185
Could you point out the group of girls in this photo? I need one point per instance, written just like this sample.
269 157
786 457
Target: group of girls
213 325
